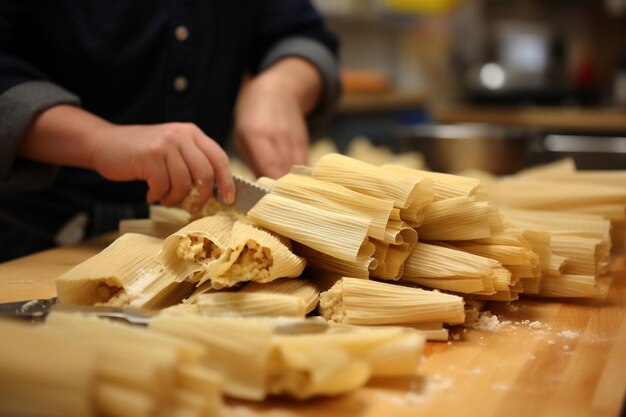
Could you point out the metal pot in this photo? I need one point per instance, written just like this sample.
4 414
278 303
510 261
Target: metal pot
457 147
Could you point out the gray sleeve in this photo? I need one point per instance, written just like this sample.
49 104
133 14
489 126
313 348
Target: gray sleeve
18 106
322 58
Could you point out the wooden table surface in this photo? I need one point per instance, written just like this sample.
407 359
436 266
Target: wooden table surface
515 370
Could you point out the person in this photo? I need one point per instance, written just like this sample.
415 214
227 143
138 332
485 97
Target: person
104 105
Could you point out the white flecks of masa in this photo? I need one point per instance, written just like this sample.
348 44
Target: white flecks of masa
487 321
429 387
512 307
536 325
456 336
569 334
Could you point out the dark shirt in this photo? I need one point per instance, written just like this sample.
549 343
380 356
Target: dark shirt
139 62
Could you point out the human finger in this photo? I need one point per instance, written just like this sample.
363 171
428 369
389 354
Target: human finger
179 177
220 164
202 174
157 179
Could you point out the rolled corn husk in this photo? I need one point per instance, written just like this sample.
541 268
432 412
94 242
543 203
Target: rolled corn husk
189 252
301 288
357 301
125 273
339 235
330 196
444 185
252 254
242 304
408 192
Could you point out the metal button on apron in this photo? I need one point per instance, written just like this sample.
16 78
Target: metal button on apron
180 83
181 33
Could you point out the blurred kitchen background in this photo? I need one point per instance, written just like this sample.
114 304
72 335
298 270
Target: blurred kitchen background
541 79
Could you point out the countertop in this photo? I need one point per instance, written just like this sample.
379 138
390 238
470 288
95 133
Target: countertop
571 362
600 120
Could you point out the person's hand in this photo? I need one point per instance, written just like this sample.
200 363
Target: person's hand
170 157
270 128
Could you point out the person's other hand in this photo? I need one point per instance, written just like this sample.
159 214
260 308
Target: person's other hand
270 127
170 157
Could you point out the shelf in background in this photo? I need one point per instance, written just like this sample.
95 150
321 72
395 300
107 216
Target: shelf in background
607 119
388 101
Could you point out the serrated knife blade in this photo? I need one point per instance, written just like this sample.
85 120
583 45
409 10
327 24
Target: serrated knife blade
247 194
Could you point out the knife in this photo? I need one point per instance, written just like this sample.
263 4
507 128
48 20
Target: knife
37 310
247 194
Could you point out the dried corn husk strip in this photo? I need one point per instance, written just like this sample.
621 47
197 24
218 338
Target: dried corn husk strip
340 235
360 268
124 273
265 183
507 255
498 296
398 231
460 285
205 288
255 255
241 304
302 370
368 179
569 286
381 251
556 266
144 364
444 185
583 254
501 279
190 251
304 289
390 351
604 178
585 225
434 261
414 214
148 227
44 375
523 271
507 237
393 266
554 195
431 331
334 197
457 218
172 215
496 221
616 213
357 301
237 349
395 215
564 165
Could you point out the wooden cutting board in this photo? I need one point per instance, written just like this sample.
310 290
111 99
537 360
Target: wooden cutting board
568 359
